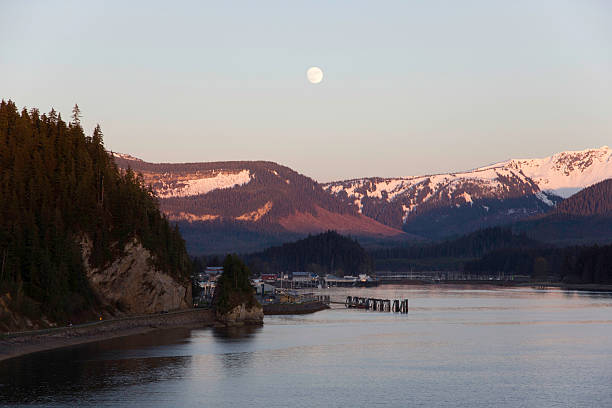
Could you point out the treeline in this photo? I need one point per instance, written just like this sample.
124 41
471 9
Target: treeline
58 186
472 245
328 252
223 237
591 264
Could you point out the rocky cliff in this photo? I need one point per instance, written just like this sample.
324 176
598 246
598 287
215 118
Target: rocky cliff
132 284
242 315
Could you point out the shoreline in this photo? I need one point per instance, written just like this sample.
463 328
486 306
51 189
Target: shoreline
18 344
590 287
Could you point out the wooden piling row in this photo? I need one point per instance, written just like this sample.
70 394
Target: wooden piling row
323 299
381 305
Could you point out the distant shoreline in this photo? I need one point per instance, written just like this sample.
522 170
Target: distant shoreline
18 344
592 287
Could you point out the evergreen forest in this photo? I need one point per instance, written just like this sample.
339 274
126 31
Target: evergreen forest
324 253
59 187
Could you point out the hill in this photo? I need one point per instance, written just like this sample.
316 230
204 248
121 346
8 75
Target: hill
595 200
247 205
574 264
324 253
68 218
584 218
450 254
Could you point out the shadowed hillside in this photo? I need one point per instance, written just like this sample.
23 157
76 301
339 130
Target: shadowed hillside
584 218
595 200
329 252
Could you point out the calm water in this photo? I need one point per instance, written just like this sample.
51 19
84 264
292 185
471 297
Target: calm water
456 348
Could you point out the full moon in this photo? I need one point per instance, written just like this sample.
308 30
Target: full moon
314 75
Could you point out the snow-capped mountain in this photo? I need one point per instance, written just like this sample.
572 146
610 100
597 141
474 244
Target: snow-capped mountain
265 197
396 201
565 173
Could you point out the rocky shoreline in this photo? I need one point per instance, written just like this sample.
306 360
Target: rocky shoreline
17 344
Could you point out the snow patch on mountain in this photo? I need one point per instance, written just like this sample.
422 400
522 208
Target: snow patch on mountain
544 198
467 198
203 185
126 156
256 215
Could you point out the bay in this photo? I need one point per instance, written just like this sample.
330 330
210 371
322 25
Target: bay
457 347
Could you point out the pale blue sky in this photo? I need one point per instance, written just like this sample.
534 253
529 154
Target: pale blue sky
410 87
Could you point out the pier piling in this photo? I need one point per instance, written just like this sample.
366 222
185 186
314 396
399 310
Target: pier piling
380 305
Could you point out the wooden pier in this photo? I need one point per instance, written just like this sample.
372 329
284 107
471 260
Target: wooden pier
381 305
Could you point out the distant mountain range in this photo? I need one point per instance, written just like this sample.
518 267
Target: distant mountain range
440 205
249 205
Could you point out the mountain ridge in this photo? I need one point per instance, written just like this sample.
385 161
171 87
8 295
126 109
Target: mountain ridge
268 197
250 197
495 194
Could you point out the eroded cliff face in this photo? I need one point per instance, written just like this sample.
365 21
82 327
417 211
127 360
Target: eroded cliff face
133 285
242 315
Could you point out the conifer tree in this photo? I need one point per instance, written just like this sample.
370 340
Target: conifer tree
76 115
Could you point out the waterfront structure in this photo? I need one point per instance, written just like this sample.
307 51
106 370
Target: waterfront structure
269 277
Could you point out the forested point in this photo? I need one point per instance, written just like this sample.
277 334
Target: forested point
234 286
324 253
56 187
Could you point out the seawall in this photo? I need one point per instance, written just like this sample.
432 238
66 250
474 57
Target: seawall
16 344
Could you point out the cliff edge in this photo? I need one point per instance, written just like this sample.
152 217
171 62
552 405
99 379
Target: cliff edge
132 284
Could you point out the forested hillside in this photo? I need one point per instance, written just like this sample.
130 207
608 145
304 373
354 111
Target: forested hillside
324 253
595 200
472 245
58 186
582 219
571 264
450 254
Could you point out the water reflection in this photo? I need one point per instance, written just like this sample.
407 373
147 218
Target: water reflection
240 333
235 363
69 373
